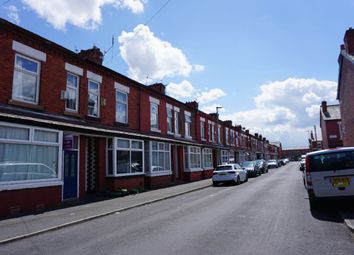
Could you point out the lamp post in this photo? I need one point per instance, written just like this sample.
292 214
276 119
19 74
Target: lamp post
218 156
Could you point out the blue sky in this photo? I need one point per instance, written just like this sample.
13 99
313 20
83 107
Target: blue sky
269 64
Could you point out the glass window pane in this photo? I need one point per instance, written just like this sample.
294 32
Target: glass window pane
161 146
121 143
93 87
121 97
123 162
167 161
109 143
26 64
161 161
14 133
72 97
137 145
28 162
71 80
25 86
137 162
121 113
45 136
154 145
110 162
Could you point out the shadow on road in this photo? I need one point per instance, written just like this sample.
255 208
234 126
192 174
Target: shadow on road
329 210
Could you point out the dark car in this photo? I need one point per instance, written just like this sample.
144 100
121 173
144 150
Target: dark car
251 167
262 164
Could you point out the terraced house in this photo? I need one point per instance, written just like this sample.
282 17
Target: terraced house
70 127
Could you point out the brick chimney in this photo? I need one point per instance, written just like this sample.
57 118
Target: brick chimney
193 104
228 122
349 41
256 135
159 87
324 106
247 131
94 54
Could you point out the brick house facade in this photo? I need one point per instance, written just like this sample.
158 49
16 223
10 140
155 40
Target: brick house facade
70 127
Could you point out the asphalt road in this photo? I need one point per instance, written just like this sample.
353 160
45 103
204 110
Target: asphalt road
268 215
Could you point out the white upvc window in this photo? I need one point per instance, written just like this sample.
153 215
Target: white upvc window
225 155
93 99
121 107
227 135
160 158
232 137
124 157
30 156
219 134
176 117
26 79
169 120
187 125
202 130
207 158
154 114
72 90
192 158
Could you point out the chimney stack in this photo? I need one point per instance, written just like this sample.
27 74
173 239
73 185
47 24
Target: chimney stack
349 41
193 104
324 106
94 54
159 87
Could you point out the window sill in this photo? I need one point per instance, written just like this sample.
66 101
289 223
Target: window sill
27 105
170 133
91 118
121 124
190 170
30 185
73 114
203 139
177 135
155 130
161 173
188 137
126 175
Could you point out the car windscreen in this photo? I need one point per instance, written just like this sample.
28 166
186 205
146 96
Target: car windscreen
247 164
219 168
332 161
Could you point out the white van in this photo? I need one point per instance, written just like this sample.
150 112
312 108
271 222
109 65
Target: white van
329 173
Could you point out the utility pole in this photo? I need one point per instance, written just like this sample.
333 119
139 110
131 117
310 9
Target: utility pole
218 156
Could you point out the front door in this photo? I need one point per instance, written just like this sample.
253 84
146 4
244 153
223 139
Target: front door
70 174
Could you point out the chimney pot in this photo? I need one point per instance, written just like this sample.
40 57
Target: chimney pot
324 106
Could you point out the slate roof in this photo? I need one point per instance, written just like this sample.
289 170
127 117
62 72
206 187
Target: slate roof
333 113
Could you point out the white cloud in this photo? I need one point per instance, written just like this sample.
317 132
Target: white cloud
182 90
82 13
13 14
210 95
148 56
212 108
286 110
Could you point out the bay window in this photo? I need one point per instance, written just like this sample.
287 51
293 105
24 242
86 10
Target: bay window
192 158
29 155
124 157
225 157
207 158
26 79
160 157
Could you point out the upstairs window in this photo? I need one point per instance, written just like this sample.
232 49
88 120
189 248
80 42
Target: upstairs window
94 98
202 130
169 120
154 116
176 122
72 90
187 125
121 107
26 79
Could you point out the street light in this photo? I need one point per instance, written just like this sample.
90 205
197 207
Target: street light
218 156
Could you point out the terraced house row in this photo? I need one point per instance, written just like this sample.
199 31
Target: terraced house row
69 127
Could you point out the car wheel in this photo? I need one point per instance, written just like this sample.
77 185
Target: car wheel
246 179
215 184
314 202
238 181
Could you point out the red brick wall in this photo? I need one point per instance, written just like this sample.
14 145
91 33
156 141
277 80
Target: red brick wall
129 182
193 176
207 174
158 181
15 202
347 103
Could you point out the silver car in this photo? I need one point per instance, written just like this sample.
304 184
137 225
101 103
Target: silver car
229 173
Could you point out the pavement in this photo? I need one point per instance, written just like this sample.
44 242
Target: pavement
22 227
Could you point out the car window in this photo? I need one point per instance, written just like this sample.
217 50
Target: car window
218 168
332 161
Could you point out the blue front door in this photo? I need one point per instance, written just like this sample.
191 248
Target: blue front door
70 174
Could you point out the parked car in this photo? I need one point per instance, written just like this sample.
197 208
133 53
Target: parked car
302 163
229 173
272 163
262 164
251 167
329 174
